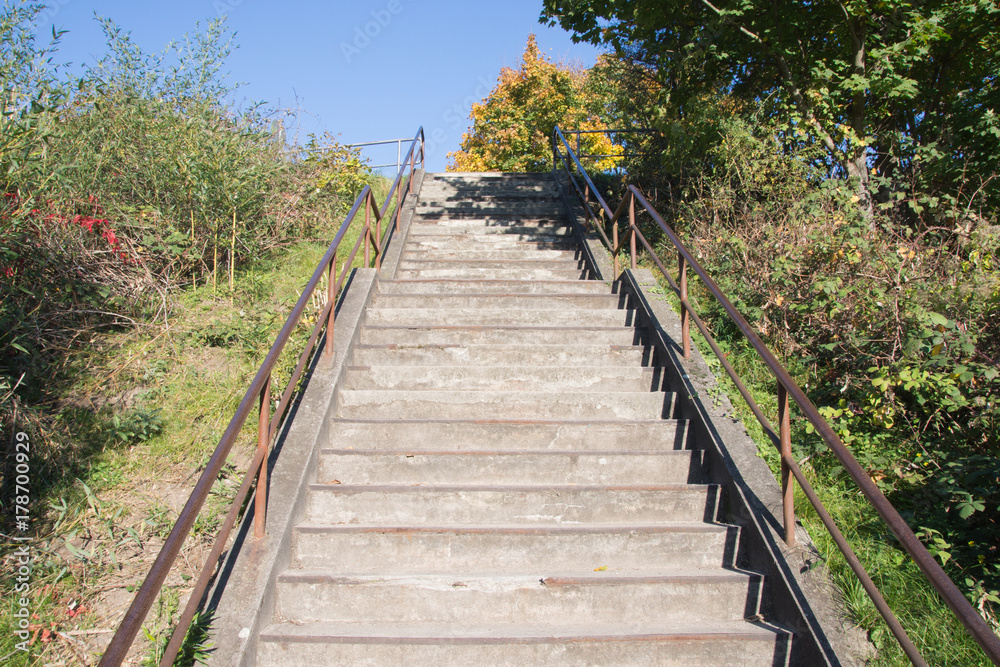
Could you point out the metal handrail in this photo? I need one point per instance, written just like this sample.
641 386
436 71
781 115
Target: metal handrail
259 392
787 388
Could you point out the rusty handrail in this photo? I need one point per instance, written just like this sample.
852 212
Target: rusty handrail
787 388
258 394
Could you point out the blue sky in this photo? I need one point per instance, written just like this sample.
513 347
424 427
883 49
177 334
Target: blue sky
366 70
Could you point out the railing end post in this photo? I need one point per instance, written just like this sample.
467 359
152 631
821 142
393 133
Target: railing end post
787 482
263 440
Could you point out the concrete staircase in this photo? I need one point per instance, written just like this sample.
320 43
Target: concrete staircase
505 481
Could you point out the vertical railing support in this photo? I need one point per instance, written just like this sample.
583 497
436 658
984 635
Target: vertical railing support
368 230
682 282
787 483
631 228
399 209
378 236
263 439
331 298
614 245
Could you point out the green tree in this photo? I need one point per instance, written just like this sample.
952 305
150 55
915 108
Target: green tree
905 91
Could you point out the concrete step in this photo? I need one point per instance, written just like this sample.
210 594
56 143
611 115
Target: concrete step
355 467
394 504
487 207
557 641
517 241
477 224
502 355
515 231
623 549
496 274
503 404
509 435
505 378
309 596
501 300
499 335
513 265
460 286
511 194
481 253
380 315
435 189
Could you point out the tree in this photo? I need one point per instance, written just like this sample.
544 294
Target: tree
905 90
512 128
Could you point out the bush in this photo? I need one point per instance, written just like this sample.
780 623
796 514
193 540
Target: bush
889 324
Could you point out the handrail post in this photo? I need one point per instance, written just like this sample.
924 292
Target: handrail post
787 483
368 230
631 227
682 282
263 439
399 209
409 181
614 245
378 250
331 297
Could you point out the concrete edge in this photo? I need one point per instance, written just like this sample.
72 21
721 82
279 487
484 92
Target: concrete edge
799 593
595 253
242 597
397 240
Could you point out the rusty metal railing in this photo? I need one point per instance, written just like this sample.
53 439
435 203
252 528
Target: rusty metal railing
259 395
563 154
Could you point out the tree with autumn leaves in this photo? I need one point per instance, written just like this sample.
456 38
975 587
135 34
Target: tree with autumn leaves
512 128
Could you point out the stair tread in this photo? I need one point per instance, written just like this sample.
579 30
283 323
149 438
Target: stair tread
580 577
522 529
557 631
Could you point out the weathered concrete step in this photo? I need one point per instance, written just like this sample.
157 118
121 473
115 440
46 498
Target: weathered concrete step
364 549
459 286
508 434
308 596
491 241
522 188
508 264
378 315
393 504
514 230
514 217
557 642
502 355
505 378
487 253
502 300
357 467
496 274
503 404
499 335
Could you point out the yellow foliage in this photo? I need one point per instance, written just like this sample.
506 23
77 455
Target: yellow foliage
512 128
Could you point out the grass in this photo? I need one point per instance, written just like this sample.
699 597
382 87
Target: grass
138 415
932 627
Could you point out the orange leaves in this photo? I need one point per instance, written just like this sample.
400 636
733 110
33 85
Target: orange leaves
511 129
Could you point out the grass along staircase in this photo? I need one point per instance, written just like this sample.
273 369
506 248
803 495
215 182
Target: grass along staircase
505 480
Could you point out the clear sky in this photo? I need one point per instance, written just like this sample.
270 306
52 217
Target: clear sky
365 69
